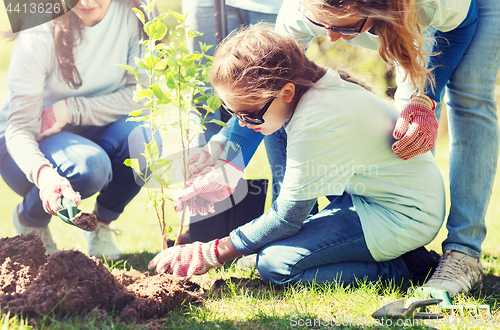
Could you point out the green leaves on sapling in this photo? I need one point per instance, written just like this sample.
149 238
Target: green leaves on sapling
176 77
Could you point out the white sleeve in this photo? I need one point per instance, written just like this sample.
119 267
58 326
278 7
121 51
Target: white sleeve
292 23
443 15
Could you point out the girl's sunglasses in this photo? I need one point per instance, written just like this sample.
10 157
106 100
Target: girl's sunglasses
341 30
250 118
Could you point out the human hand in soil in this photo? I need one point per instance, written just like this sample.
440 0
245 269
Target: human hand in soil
212 184
187 260
421 136
54 118
52 188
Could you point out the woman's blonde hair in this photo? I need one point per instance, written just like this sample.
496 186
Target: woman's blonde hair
254 63
399 35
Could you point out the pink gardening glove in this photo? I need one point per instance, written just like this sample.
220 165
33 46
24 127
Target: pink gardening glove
187 260
52 188
54 118
422 133
205 157
199 160
212 184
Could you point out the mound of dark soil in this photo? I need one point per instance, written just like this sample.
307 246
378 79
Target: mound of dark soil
68 283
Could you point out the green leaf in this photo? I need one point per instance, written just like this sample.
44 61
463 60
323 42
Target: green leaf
160 180
144 93
160 66
171 83
140 15
214 102
193 33
155 29
218 122
200 99
151 151
134 164
135 113
140 63
159 93
177 16
129 69
151 61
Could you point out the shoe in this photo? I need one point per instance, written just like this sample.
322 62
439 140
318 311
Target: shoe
457 273
43 232
101 242
421 264
247 262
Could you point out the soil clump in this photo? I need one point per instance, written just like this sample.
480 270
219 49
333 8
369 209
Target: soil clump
87 221
68 282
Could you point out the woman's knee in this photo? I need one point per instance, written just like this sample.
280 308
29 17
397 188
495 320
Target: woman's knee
90 174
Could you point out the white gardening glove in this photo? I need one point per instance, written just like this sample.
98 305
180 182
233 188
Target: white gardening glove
187 260
212 184
54 118
199 160
52 188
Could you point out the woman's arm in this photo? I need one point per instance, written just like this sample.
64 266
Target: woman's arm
23 128
106 109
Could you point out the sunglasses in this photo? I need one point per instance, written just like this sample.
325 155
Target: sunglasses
250 118
341 30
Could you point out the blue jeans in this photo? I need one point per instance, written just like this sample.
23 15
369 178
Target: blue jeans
202 19
473 128
330 246
91 158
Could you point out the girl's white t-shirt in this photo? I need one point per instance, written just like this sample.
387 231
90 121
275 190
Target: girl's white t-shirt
339 140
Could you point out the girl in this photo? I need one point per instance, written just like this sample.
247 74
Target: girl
383 209
63 127
465 58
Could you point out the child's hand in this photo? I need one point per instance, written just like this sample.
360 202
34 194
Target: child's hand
422 133
213 184
207 156
54 118
186 260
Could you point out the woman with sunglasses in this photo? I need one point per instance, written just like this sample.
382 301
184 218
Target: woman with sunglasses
63 127
382 209
464 58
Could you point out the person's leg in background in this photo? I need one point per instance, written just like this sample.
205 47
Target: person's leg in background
81 161
474 143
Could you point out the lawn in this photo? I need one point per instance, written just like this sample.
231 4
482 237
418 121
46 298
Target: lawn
242 301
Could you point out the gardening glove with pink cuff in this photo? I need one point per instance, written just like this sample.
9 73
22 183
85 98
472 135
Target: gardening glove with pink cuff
187 260
207 156
213 184
52 188
421 134
54 118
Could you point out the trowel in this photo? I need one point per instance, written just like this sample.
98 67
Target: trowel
69 213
